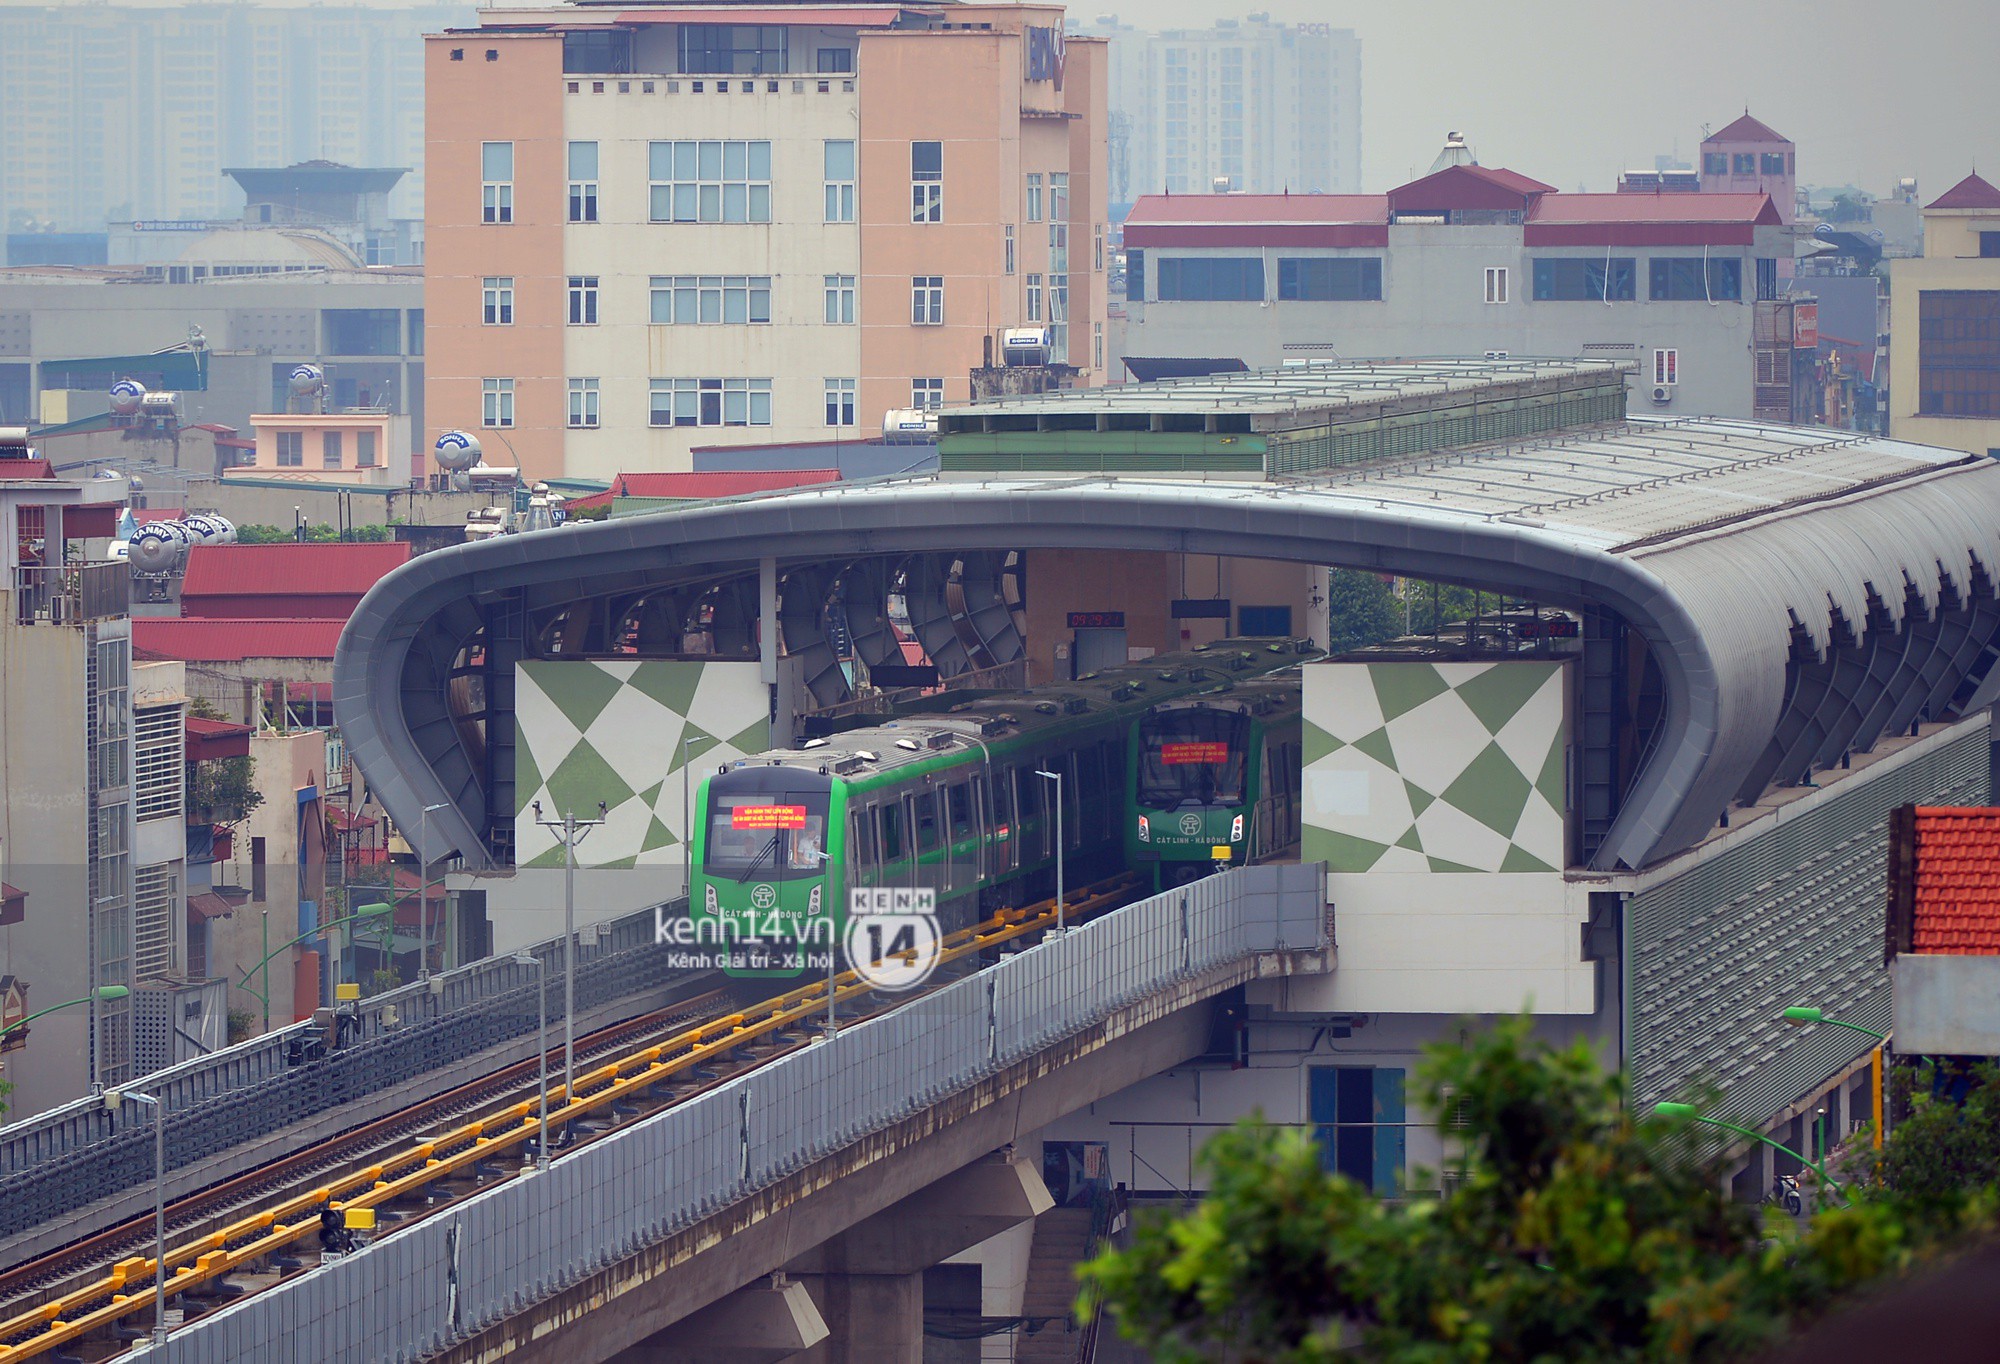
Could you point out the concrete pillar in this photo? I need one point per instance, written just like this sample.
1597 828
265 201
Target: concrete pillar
770 1320
870 1319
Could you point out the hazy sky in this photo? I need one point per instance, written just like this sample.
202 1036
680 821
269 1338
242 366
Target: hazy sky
1573 92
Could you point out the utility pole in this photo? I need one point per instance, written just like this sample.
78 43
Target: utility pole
572 831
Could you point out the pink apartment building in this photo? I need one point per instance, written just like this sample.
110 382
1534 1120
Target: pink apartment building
1749 157
650 229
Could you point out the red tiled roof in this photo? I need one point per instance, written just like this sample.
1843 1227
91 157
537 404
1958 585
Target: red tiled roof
1746 129
209 905
698 486
26 468
1956 909
1971 192
289 570
1648 219
1466 187
231 640
210 739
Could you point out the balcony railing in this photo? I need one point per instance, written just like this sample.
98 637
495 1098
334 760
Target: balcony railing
72 594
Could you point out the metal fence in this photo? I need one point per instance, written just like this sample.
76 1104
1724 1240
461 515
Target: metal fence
72 1156
502 1250
70 594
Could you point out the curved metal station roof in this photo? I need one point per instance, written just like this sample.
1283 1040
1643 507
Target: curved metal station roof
1801 591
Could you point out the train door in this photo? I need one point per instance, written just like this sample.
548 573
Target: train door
1032 814
985 853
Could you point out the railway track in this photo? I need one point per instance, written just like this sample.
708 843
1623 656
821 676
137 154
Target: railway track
220 1251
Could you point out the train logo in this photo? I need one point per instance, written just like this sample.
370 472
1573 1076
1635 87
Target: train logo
1190 824
763 897
894 940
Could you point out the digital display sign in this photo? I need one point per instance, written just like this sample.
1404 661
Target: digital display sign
1097 620
1189 754
767 817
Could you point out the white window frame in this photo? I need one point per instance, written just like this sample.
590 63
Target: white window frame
496 404
692 402
291 449
496 193
1009 228
927 300
706 300
1097 247
927 395
1059 196
1496 284
1034 292
698 183
840 402
1034 197
582 301
364 450
585 405
582 188
926 187
839 190
496 301
332 450
840 299
1667 367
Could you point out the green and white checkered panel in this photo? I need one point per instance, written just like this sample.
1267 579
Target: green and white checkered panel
614 731
1435 767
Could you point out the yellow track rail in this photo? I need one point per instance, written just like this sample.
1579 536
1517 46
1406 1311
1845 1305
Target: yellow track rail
129 1288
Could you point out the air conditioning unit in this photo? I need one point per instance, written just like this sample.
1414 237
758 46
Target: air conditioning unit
1663 394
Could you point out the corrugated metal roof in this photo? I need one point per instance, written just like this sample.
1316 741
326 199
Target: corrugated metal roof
291 570
1655 208
196 640
1957 905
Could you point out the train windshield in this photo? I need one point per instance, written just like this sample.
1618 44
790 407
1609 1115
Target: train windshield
1195 755
771 835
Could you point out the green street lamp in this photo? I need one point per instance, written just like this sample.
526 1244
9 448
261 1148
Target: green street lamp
263 996
1692 1114
1801 1015
102 994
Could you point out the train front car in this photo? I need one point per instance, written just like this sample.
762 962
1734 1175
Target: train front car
766 872
1192 770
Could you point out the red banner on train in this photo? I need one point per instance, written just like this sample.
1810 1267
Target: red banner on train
1188 754
767 817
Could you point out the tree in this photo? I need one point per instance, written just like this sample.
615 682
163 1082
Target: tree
1950 1142
1580 1232
317 533
221 790
1361 610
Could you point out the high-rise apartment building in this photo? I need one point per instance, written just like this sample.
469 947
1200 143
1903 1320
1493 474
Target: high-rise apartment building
1267 107
646 233
113 112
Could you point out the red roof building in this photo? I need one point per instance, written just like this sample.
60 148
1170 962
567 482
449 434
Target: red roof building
1944 880
323 582
1972 192
198 640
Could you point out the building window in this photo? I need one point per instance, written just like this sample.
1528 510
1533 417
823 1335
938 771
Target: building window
1683 279
1357 1118
840 402
1034 298
1666 367
1135 274
158 775
597 52
1745 163
1008 256
733 49
1202 279
1767 278
583 408
711 402
291 449
1989 244
361 331
583 300
496 402
1774 163
926 394
834 61
1715 163
1097 247
1097 345
329 449
1958 353
1496 284
927 182
1599 280
1034 214
583 182
1340 279
840 299
1058 247
496 173
710 182
839 173
497 300
927 300
364 449
710 300
1058 307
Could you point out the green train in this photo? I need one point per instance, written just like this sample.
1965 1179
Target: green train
1214 779
954 802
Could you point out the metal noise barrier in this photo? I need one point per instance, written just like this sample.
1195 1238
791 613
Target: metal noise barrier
418 1291
71 1156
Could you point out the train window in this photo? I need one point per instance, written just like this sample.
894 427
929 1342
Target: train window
860 839
1027 787
958 804
1192 755
927 823
891 825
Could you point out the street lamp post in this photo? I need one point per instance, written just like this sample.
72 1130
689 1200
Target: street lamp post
361 912
424 890
104 993
832 1024
1801 1015
1693 1114
112 1100
1056 777
541 1049
574 831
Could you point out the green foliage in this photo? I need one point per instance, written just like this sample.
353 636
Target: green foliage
241 1021
1580 1232
5 1090
1943 1148
1433 606
223 790
316 534
1361 610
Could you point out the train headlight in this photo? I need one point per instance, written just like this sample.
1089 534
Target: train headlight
713 903
1236 829
1145 830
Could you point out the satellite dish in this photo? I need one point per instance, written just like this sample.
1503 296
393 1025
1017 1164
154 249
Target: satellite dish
306 380
456 451
126 395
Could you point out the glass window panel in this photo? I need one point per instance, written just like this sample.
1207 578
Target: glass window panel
735 204
735 160
760 204
496 160
839 160
760 161
686 202
709 160
583 160
660 160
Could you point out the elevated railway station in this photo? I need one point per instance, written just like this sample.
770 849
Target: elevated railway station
1653 828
